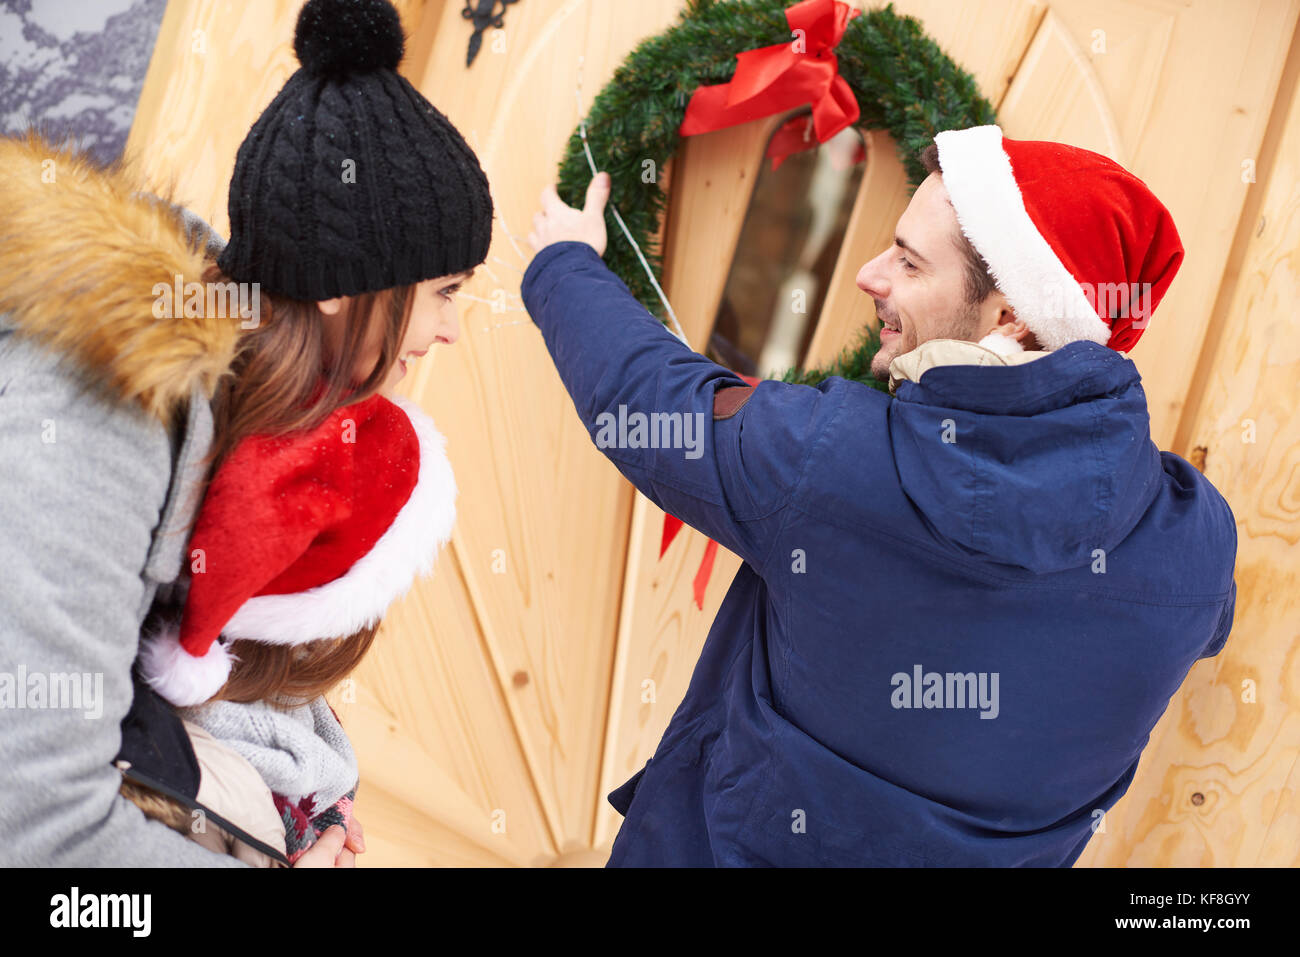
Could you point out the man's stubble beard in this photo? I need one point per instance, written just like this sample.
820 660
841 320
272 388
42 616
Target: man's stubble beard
880 362
962 326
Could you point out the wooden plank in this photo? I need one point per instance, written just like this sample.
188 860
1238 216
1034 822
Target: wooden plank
429 680
1057 95
400 835
543 499
1217 785
988 39
212 72
413 800
1191 81
186 82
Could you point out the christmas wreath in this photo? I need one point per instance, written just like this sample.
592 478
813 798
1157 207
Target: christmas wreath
730 62
725 63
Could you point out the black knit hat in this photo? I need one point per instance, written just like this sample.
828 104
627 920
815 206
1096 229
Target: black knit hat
350 181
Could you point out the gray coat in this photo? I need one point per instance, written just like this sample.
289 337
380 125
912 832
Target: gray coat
100 457
93 510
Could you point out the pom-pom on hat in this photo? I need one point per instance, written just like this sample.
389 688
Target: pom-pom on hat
1080 246
337 37
350 181
306 537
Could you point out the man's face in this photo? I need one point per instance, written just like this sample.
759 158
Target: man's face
918 284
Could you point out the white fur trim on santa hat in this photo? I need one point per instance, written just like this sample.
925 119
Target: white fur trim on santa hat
1002 345
359 598
991 212
180 677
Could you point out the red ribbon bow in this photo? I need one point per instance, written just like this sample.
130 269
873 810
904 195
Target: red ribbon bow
783 76
673 525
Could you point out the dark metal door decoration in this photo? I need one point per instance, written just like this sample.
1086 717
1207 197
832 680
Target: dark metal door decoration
481 12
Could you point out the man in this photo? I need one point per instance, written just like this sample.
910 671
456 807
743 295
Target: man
963 606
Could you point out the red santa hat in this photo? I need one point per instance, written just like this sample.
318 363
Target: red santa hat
1080 246
307 536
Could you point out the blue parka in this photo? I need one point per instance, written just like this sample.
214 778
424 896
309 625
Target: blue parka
962 608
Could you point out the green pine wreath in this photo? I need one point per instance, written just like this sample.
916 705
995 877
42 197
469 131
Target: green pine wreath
901 79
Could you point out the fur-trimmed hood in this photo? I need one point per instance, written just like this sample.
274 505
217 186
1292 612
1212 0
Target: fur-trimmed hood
81 251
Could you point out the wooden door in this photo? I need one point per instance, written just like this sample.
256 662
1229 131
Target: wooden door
508 695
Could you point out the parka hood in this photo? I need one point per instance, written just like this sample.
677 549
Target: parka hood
1036 465
81 251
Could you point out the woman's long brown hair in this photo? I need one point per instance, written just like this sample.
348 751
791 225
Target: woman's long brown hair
284 380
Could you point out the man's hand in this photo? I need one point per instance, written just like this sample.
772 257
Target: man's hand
558 222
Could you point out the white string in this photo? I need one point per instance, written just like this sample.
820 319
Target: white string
490 302
497 214
506 264
582 128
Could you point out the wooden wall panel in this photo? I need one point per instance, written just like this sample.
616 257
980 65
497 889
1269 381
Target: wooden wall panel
537 500
1188 87
428 697
511 683
1091 89
215 67
543 500
1219 784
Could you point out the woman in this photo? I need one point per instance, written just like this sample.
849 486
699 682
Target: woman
354 205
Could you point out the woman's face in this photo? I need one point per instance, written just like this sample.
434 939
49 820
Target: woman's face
434 321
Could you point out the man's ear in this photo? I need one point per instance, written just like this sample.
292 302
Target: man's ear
1010 325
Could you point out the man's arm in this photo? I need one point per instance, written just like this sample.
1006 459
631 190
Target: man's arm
738 454
83 484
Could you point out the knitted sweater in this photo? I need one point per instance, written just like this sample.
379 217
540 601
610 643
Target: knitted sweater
303 755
